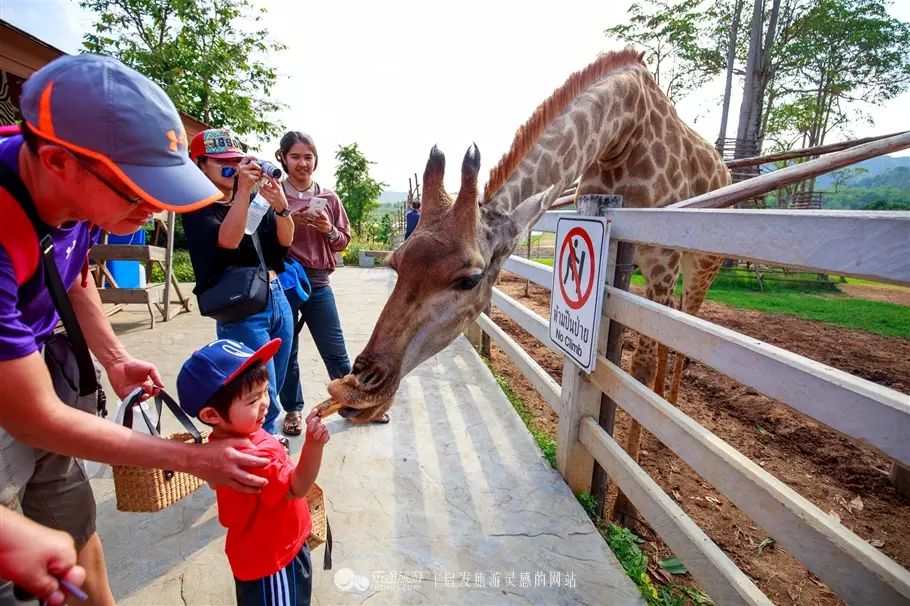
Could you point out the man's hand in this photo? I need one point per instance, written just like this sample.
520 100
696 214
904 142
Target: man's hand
222 464
34 557
129 373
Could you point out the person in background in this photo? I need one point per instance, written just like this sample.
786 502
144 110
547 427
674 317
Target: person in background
411 219
101 147
217 240
319 235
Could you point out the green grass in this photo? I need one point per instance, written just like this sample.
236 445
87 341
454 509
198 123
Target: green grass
624 544
544 260
889 319
546 444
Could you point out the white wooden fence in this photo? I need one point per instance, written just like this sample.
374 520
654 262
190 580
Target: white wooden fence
873 245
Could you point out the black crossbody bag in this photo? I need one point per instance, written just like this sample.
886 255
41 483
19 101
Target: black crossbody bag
239 291
67 356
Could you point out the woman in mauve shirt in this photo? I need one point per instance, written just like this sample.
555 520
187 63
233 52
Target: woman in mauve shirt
318 236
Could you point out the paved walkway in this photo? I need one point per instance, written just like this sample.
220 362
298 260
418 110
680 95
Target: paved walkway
449 503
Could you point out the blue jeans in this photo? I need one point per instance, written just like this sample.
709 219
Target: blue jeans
320 314
275 321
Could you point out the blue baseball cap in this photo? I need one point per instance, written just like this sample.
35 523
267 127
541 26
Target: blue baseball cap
213 366
101 109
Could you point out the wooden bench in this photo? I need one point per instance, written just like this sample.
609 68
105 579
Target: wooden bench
368 258
152 295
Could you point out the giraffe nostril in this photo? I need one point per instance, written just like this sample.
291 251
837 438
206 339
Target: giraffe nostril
371 378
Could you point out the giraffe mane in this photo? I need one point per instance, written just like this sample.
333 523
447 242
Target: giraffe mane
528 134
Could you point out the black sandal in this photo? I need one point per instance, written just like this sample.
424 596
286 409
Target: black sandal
293 424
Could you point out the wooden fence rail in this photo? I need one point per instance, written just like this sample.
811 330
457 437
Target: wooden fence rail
876 245
866 244
726 583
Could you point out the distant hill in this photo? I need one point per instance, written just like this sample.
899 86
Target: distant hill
393 196
875 166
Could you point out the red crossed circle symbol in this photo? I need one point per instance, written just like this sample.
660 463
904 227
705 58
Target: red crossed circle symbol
580 298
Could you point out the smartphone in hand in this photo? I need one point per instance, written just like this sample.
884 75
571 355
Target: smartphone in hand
317 205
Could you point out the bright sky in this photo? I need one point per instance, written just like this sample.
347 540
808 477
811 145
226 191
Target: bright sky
400 76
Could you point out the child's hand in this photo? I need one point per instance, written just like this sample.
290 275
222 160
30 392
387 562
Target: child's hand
316 431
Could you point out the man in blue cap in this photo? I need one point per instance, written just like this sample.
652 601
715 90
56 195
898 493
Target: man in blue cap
101 147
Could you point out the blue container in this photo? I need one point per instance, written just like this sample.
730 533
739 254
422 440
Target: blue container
128 274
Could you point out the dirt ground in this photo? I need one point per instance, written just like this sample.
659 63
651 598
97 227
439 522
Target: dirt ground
886 293
840 476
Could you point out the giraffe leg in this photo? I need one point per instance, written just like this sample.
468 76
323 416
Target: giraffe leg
699 272
660 267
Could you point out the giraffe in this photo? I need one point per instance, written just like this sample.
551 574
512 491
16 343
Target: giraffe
611 125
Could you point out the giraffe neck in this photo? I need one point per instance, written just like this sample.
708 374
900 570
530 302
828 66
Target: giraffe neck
597 121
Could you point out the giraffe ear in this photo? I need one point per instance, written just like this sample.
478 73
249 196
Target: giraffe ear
435 197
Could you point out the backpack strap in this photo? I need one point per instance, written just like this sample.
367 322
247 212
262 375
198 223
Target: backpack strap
11 186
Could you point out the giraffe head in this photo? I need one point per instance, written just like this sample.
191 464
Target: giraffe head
447 268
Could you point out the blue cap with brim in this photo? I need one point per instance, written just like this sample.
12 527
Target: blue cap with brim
100 108
213 366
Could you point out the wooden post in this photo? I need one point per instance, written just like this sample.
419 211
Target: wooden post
485 338
622 276
475 335
580 397
619 271
900 478
168 264
528 282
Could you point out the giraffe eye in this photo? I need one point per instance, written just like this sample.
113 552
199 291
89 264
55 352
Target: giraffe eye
467 282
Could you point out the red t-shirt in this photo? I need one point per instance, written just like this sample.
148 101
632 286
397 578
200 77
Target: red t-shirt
266 530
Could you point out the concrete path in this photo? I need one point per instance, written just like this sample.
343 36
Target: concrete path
449 503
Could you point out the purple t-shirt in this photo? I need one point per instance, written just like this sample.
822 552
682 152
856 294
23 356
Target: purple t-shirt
27 314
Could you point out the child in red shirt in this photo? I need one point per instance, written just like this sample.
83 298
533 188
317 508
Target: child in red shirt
225 385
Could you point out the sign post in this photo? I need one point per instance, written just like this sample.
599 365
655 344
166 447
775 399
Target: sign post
576 298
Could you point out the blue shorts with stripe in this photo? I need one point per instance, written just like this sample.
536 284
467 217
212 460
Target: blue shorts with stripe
290 586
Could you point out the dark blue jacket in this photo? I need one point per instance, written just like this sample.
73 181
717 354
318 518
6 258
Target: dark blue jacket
411 222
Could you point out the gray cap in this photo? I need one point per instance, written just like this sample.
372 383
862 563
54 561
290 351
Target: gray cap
100 108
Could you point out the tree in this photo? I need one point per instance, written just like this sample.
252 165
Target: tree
206 54
844 56
677 43
358 191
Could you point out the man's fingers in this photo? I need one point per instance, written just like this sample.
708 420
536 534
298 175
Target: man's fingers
247 460
247 482
156 377
75 575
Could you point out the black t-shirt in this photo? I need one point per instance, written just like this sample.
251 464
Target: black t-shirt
210 260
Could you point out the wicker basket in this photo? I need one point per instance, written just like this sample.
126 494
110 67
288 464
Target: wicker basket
316 502
148 490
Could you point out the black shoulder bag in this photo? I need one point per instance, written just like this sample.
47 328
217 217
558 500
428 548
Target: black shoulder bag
239 292
67 356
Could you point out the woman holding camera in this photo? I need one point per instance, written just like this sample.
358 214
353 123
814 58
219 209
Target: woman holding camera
219 243
323 229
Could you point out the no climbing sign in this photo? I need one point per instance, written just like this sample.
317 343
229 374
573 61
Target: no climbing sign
576 298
